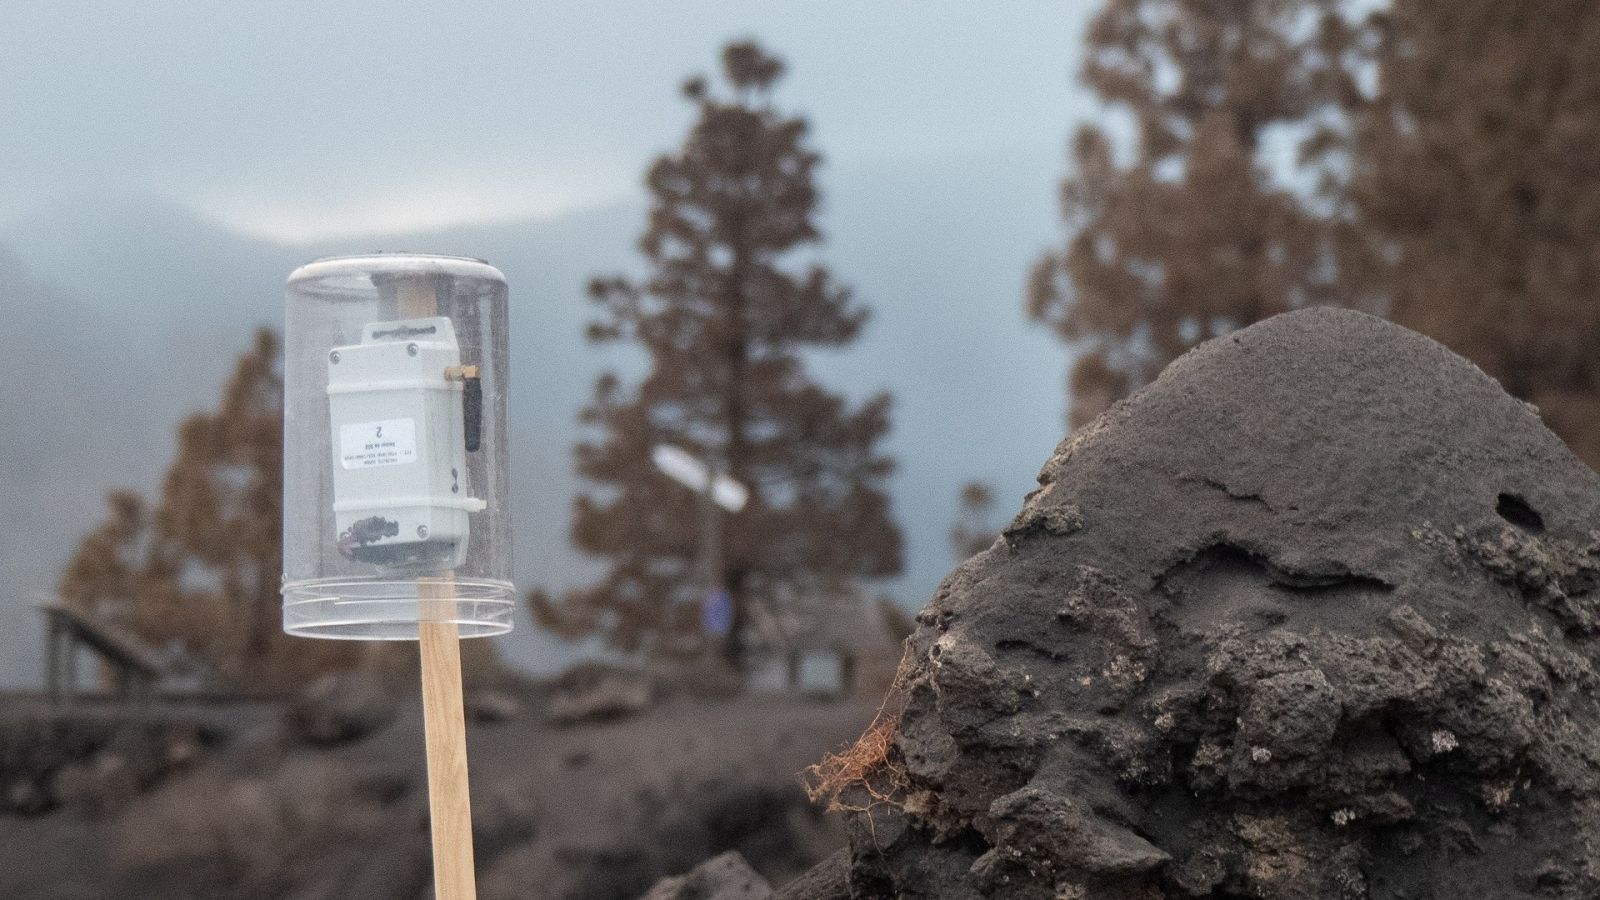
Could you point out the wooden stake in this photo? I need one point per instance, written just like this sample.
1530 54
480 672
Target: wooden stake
449 803
443 718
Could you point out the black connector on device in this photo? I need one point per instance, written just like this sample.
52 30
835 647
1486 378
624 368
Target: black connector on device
472 412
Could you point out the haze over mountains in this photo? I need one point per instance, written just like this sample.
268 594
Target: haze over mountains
124 314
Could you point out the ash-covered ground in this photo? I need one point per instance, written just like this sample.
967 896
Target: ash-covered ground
325 798
1312 616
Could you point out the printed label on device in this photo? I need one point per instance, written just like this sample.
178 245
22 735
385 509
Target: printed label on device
392 442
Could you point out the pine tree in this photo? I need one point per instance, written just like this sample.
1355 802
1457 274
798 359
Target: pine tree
1476 188
221 508
1192 238
1457 195
109 564
732 301
201 571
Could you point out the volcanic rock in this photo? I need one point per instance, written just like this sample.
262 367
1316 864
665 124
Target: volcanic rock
827 880
725 877
1312 616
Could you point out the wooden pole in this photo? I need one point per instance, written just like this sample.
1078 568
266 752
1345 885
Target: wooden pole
449 802
443 718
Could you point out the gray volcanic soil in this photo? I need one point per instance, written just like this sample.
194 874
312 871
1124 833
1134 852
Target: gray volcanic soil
1312 616
592 811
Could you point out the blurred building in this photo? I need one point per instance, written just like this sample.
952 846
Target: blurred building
829 638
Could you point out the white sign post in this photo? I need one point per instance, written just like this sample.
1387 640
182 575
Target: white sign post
718 492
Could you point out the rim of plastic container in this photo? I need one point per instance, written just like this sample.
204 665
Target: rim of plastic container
391 609
399 263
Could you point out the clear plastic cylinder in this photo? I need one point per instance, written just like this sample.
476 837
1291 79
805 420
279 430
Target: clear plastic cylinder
395 475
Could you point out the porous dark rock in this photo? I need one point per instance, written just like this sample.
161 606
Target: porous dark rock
1312 616
827 880
724 877
768 826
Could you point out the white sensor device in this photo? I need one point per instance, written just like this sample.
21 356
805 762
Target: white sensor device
400 435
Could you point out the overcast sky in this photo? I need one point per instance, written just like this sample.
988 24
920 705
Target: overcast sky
325 123
299 120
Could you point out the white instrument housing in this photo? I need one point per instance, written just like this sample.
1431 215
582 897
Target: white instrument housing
401 496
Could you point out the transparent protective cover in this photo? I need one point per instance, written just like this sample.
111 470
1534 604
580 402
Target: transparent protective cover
395 464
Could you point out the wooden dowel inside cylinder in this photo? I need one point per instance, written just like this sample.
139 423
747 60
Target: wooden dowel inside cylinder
443 716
